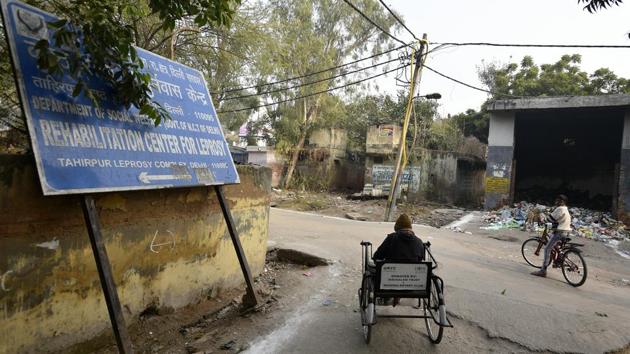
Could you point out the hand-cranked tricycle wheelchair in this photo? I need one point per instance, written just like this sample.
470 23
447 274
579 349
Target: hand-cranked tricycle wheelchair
385 282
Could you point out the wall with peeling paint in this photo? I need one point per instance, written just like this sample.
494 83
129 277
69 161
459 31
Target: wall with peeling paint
167 247
333 139
439 176
500 156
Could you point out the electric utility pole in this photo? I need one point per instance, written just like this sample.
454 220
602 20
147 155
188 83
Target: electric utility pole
401 160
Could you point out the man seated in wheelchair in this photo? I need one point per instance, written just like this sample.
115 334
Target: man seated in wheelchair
402 245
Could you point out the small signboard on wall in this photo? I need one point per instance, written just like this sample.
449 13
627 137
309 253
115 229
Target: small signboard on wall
382 176
497 185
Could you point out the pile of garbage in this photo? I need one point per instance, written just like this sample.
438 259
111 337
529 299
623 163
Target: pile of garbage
596 225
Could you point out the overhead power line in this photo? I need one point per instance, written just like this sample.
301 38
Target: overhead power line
400 58
471 86
399 20
318 92
373 23
311 82
313 73
462 44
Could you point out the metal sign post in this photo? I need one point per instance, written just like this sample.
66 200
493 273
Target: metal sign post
105 275
242 260
83 148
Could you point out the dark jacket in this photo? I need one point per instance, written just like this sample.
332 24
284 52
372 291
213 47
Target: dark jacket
402 245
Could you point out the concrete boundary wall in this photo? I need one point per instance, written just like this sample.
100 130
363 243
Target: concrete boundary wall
168 248
499 161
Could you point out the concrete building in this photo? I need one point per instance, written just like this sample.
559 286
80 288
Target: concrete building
579 146
335 141
382 139
239 154
326 163
268 157
323 163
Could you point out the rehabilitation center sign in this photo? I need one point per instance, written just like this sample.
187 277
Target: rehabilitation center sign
81 148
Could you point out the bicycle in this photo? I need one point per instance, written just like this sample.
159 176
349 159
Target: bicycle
565 255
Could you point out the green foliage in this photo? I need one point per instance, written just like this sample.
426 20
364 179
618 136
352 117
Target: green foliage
364 112
228 56
97 37
562 78
203 12
473 123
310 36
595 5
559 79
372 110
10 112
444 134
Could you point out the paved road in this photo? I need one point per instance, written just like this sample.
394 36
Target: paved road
494 302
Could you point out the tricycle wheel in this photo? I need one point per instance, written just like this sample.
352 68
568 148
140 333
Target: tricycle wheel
367 333
367 308
431 311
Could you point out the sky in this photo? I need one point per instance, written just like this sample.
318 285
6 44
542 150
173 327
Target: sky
507 21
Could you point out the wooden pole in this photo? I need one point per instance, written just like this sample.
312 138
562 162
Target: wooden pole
394 192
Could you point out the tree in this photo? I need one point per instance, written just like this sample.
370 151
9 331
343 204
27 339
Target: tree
228 58
224 54
527 79
10 113
366 111
309 37
363 112
563 78
595 5
98 37
474 123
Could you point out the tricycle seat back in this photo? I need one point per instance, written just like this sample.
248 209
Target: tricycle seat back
403 279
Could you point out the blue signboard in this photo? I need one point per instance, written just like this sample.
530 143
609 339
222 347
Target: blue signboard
81 147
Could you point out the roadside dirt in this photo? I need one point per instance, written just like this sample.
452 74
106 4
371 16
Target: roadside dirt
218 323
336 204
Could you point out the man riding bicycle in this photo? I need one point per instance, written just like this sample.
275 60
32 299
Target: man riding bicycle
561 220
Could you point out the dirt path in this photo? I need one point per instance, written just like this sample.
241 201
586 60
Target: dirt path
217 323
495 303
334 204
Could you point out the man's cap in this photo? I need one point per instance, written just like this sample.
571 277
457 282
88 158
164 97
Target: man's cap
563 198
403 222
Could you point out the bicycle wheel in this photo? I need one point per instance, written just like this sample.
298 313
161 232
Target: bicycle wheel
431 311
528 250
574 268
367 308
